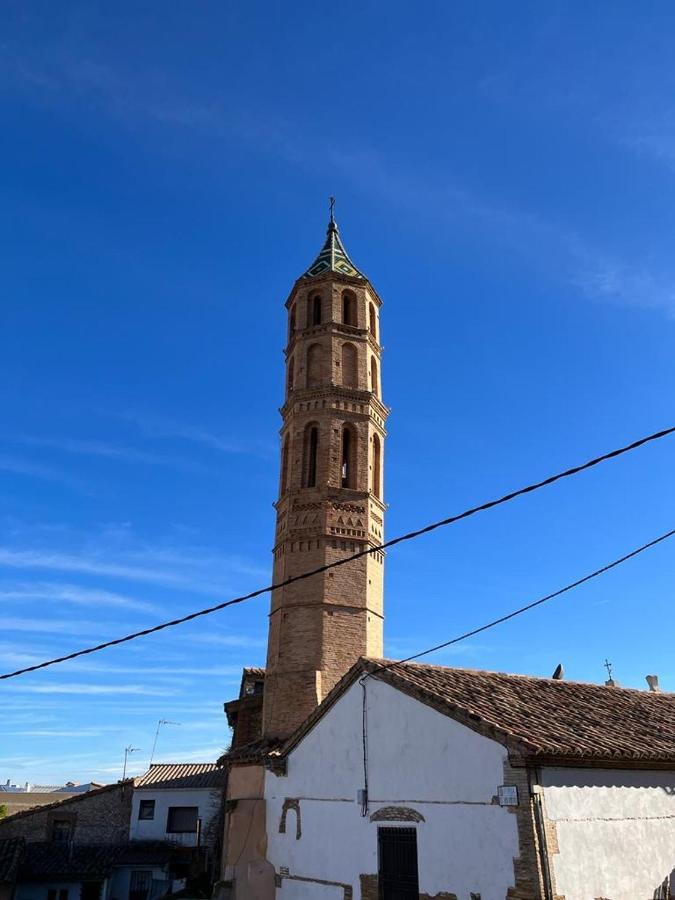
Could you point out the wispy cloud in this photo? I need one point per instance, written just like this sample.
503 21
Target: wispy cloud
15 466
104 450
71 593
156 427
74 687
433 198
166 567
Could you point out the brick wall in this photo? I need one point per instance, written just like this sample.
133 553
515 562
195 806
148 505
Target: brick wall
100 816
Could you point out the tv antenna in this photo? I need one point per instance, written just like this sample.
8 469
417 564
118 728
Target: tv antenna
154 743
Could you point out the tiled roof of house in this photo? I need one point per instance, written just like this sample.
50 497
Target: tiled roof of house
536 718
74 861
256 671
11 851
54 860
182 775
253 752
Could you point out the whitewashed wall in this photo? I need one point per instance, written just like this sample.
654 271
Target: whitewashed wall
615 831
208 803
416 758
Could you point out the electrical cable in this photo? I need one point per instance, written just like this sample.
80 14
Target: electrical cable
490 504
529 606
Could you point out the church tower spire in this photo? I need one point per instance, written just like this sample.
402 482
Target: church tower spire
330 501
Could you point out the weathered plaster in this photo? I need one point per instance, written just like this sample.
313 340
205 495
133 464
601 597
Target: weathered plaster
418 759
614 830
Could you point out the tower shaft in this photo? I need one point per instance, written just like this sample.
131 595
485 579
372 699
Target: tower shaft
330 502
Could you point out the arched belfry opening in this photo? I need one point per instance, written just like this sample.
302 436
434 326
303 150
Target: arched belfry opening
377 467
349 366
374 377
348 457
314 310
311 455
314 365
348 308
372 320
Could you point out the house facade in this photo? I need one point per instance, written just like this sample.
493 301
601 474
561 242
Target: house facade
420 781
129 841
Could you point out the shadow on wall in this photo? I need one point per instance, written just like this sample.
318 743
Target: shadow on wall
666 890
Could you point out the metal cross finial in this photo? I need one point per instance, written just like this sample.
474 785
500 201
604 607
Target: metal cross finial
608 666
331 201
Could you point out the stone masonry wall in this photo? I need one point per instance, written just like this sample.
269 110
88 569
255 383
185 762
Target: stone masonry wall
100 816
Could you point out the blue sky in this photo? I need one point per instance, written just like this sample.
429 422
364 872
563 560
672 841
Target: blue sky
505 176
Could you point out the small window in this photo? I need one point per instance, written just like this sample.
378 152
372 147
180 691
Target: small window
146 809
182 819
51 893
62 830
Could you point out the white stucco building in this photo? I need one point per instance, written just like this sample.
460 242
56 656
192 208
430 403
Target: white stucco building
480 786
178 802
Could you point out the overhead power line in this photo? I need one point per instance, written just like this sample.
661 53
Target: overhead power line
490 504
529 606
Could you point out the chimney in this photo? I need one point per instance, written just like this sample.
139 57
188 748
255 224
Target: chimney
653 682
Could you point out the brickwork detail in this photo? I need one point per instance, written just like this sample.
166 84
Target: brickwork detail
330 501
293 804
528 877
369 887
397 814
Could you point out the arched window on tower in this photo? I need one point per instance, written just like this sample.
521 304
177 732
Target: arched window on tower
349 362
291 373
284 468
374 380
348 458
291 322
314 310
372 320
377 467
314 365
311 455
348 308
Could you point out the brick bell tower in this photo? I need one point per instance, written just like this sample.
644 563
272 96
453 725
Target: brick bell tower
330 489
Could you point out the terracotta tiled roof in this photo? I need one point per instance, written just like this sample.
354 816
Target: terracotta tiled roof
536 718
182 775
55 860
253 752
11 851
254 671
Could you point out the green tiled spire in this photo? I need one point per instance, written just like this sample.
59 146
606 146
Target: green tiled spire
333 256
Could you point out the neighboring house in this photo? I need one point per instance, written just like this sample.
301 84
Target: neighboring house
17 799
100 816
69 845
119 842
425 781
181 803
